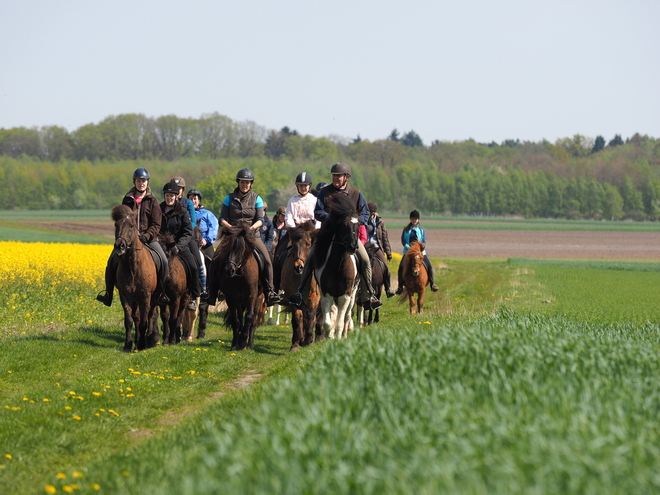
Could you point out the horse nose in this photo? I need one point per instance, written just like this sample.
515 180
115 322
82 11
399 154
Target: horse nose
299 268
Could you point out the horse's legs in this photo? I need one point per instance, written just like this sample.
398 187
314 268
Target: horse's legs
152 339
164 318
203 317
411 301
376 316
128 326
420 301
343 314
329 315
297 327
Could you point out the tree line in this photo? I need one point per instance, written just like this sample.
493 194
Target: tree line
90 168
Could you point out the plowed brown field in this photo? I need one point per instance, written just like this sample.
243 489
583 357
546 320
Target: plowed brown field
489 243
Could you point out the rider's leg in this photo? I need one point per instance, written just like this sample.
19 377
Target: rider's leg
364 266
429 270
201 267
386 273
110 280
195 287
272 297
278 258
305 280
162 273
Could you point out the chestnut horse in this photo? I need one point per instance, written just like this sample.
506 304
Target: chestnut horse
303 318
335 265
176 288
415 277
136 281
235 272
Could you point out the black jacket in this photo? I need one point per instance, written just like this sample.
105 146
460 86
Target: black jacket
176 221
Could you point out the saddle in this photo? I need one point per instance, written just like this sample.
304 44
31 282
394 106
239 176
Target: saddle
158 261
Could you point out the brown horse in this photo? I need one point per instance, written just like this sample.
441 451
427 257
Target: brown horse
377 281
415 277
303 318
335 265
136 281
235 272
176 288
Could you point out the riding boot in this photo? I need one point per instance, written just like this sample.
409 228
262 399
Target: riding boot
162 275
202 280
429 269
364 267
110 280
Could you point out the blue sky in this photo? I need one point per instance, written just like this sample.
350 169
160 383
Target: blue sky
487 70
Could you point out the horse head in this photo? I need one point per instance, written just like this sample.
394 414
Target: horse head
126 233
417 257
301 242
235 246
343 218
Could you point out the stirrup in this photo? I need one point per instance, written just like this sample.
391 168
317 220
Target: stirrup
192 305
390 293
204 295
374 302
273 298
435 288
296 299
163 299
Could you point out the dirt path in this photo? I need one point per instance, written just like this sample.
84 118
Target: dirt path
488 243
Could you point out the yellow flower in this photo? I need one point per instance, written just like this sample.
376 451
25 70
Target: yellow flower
46 400
96 393
77 474
8 456
67 488
125 473
61 476
77 418
95 486
50 489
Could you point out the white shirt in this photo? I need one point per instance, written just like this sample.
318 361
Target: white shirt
300 209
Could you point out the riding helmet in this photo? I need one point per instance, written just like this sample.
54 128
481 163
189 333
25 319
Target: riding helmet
304 178
414 214
179 181
171 187
372 207
320 185
245 174
195 192
340 168
141 173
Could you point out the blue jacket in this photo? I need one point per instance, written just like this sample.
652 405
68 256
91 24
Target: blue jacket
267 232
190 206
411 234
208 224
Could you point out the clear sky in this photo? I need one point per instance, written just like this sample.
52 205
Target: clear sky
448 69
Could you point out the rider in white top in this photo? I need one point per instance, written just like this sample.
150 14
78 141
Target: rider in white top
300 207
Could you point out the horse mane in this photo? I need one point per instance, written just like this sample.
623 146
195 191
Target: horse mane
416 247
120 211
241 234
339 206
300 231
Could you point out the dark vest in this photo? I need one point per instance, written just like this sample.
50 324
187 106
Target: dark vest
242 210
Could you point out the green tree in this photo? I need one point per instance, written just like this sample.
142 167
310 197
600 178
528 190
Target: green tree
616 140
612 203
599 144
411 139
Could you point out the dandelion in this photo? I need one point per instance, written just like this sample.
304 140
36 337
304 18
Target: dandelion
96 393
77 474
61 476
77 418
46 400
68 408
95 486
67 488
121 380
8 456
50 489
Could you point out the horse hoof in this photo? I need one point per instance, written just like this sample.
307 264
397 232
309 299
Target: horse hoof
127 349
189 339
294 347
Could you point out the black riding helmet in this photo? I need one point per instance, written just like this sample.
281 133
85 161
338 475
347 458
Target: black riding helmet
320 185
141 173
171 187
245 174
341 168
195 192
304 178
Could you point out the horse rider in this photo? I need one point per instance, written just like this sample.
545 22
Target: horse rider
267 231
411 233
341 173
245 205
149 220
378 238
206 221
188 204
280 230
176 221
299 210
318 187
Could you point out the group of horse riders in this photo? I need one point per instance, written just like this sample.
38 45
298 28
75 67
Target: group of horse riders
178 215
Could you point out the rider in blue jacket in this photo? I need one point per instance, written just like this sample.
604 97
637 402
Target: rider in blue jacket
411 233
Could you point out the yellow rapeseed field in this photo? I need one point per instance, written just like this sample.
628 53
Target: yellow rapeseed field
42 264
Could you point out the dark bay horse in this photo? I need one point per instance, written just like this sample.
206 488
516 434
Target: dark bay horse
303 318
377 281
176 288
415 277
335 265
136 281
235 272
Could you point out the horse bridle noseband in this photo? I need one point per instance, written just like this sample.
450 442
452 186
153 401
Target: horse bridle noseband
128 244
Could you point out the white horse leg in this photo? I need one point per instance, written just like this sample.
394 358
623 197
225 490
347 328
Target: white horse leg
329 315
343 306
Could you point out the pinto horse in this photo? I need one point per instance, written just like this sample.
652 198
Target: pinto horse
136 281
415 277
303 318
335 265
235 272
